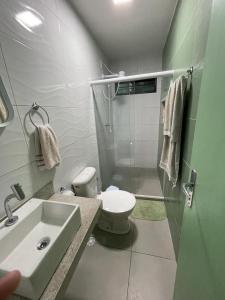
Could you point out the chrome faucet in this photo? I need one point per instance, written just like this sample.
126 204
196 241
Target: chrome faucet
17 193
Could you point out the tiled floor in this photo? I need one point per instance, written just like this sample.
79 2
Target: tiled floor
140 181
137 266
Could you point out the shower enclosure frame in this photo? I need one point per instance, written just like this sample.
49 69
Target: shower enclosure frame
140 76
119 79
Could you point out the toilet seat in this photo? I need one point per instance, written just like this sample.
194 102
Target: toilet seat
117 201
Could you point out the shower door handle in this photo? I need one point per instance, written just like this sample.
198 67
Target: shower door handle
188 188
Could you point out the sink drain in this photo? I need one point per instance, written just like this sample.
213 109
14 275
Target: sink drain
43 243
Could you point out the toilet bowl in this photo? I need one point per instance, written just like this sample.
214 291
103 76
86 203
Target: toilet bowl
116 208
117 205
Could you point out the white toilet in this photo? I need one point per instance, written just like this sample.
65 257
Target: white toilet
116 205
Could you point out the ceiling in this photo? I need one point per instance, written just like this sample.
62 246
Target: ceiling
127 30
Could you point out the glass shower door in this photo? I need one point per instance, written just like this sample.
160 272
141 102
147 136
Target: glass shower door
135 129
123 131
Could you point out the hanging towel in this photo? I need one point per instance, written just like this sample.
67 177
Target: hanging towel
3 112
162 110
173 116
46 147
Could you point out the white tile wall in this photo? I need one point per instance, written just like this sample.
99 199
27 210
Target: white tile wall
50 64
146 115
14 151
136 118
146 132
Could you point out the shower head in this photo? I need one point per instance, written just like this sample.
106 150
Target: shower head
111 75
120 74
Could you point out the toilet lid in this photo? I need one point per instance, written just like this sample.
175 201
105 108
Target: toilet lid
117 201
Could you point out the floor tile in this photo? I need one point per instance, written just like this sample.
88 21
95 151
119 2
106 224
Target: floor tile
153 237
116 241
148 186
102 274
151 278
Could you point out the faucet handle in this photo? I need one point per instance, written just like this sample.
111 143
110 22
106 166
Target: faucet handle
18 191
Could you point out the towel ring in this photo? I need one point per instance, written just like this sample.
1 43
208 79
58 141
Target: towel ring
35 107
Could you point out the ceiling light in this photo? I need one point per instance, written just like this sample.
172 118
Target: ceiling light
28 19
118 2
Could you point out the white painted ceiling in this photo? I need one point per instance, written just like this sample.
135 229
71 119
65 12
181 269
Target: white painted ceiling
127 30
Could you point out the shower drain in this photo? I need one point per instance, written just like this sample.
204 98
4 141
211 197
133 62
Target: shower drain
43 243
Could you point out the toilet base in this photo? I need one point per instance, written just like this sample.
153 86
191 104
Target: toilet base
114 223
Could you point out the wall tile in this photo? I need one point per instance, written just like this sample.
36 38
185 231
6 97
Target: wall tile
69 125
16 156
145 154
52 65
34 76
143 100
72 163
43 38
188 135
136 118
5 77
51 4
123 110
146 132
146 148
147 115
29 177
14 150
185 47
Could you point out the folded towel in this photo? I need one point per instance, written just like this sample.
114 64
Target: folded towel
173 116
3 112
46 147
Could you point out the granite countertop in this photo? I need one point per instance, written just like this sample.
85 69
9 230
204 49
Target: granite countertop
90 209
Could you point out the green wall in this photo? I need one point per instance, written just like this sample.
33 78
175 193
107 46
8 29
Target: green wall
185 47
201 262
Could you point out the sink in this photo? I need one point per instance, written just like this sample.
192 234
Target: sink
36 244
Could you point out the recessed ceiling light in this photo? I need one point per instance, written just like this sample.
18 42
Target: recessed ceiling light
28 19
118 2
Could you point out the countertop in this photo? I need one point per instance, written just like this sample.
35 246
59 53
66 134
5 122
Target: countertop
90 209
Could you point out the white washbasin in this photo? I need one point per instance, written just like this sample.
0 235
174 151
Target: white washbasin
38 219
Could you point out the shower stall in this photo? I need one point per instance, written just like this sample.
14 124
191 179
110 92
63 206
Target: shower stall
127 121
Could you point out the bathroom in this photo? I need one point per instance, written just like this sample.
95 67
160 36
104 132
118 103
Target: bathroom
88 209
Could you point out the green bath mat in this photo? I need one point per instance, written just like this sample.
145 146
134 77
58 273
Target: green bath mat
149 210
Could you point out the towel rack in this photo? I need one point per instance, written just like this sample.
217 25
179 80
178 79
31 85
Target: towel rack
34 108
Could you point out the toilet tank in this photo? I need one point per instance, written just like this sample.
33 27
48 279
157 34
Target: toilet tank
85 184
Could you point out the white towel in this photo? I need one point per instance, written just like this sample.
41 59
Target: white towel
173 116
46 147
3 112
